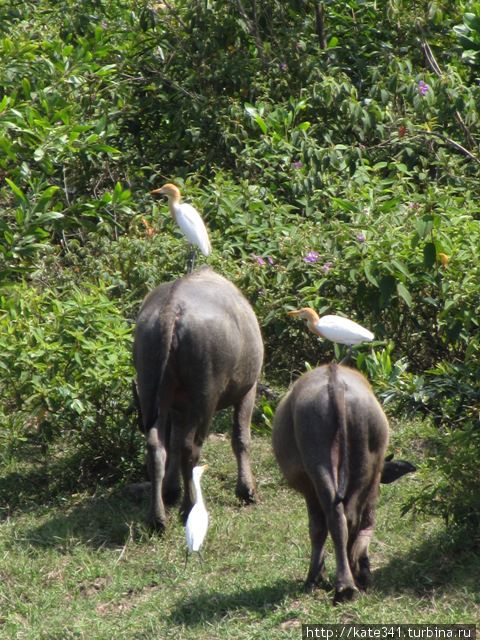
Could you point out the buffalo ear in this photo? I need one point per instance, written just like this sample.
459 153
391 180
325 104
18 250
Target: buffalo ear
388 458
394 469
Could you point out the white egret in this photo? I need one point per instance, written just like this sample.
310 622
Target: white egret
334 328
197 521
189 221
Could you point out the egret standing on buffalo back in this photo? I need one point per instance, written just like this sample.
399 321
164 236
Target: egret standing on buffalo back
334 328
189 221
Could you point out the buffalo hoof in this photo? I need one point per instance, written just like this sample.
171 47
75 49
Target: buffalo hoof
319 583
158 526
364 578
246 495
310 585
345 594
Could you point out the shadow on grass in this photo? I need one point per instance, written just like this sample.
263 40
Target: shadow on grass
81 509
98 521
35 479
440 562
207 607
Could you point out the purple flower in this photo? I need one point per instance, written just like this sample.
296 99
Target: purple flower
423 88
258 259
326 267
283 66
361 237
263 261
298 164
312 256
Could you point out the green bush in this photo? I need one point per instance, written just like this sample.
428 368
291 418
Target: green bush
66 378
448 396
335 163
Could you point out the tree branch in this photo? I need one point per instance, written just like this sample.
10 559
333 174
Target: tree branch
450 142
175 13
436 69
253 29
320 24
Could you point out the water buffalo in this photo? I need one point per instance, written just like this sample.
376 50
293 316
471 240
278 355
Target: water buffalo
197 349
329 437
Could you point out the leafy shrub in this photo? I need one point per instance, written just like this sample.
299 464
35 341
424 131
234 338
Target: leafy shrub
449 397
334 159
66 377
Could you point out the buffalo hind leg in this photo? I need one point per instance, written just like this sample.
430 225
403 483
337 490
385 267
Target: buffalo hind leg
345 588
334 511
171 490
190 458
358 554
190 449
156 460
318 533
242 415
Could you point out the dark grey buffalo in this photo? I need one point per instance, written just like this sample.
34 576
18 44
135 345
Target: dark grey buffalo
329 437
197 349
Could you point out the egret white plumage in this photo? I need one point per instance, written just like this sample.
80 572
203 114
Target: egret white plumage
189 221
334 328
197 521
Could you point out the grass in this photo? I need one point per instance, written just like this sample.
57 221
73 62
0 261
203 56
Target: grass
85 566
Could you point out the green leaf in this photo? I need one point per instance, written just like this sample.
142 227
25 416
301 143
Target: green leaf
346 205
107 149
400 266
387 287
424 226
48 217
78 406
404 293
17 191
429 254
46 197
254 114
370 277
261 123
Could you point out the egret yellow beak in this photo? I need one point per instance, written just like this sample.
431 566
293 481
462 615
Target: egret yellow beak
156 192
294 313
205 467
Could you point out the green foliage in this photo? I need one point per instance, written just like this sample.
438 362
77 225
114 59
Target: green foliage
66 366
449 395
335 161
469 34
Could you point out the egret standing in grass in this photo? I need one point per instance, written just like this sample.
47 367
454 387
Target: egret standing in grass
334 328
189 221
197 521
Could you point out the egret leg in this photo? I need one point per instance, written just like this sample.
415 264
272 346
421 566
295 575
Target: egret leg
346 359
191 259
